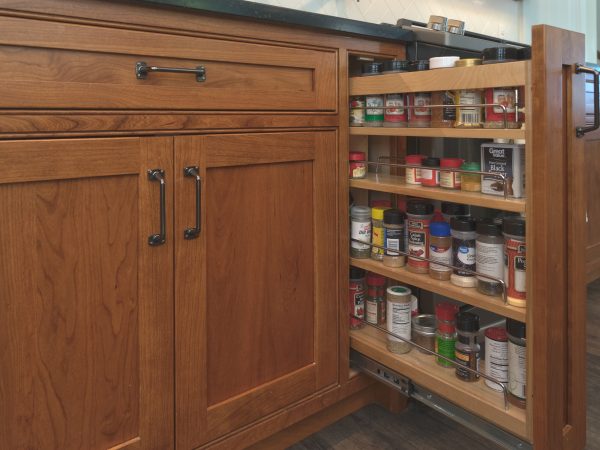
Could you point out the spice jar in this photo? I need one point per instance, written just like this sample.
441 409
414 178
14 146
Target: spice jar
357 297
374 111
419 214
489 257
466 352
468 116
358 164
496 357
375 308
517 362
423 331
445 335
395 65
514 260
419 115
449 179
463 251
443 117
495 55
413 174
440 250
371 68
450 210
360 226
430 173
393 225
357 111
378 232
470 182
468 62
398 318
395 114
494 115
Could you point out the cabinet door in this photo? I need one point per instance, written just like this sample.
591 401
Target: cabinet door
85 302
256 308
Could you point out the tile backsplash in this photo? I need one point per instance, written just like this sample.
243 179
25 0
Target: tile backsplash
500 18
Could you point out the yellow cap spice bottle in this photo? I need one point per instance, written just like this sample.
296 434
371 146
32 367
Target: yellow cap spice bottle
378 232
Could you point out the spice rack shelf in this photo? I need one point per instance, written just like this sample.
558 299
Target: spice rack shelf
473 133
477 77
397 185
475 397
445 288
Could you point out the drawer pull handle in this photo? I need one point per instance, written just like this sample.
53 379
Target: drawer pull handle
192 171
142 69
580 131
159 238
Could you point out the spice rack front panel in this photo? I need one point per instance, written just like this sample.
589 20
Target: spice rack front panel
563 427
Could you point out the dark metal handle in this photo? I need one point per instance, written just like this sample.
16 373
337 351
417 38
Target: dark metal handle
580 131
192 171
142 69
159 239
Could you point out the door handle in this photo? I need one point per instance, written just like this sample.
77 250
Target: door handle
580 131
193 171
142 69
159 238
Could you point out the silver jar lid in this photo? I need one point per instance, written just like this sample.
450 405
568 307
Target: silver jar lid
424 323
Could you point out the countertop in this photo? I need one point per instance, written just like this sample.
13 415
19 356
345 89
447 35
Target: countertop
275 14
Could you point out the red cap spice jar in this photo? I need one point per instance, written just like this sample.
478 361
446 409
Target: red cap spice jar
413 175
357 297
445 337
449 179
375 299
508 97
430 177
358 165
395 114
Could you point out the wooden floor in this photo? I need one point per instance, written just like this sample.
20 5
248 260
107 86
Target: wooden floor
375 428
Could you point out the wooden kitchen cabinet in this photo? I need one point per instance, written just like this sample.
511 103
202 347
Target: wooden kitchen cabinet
86 323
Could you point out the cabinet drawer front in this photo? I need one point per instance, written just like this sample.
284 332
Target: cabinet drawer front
67 66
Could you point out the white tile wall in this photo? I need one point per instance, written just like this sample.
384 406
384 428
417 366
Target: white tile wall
501 18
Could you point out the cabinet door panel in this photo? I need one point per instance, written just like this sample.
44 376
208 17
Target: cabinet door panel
263 318
81 342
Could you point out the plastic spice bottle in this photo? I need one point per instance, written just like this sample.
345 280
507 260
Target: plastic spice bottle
395 114
463 251
496 357
440 250
378 232
517 363
514 260
375 308
445 336
419 214
450 210
468 182
468 116
357 111
360 226
489 257
430 176
393 225
399 318
357 297
413 175
467 348
357 165
449 179
374 111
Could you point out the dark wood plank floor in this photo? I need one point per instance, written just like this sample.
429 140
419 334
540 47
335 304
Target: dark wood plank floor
421 428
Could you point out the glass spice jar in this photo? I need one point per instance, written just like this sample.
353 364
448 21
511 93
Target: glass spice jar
445 335
443 117
413 174
448 178
357 165
430 173
440 250
357 111
423 331
468 116
357 297
360 229
470 182
393 225
375 307
377 232
398 318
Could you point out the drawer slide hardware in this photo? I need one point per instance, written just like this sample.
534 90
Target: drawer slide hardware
142 69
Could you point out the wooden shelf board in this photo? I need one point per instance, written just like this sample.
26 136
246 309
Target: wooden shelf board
475 397
477 77
473 133
397 185
445 288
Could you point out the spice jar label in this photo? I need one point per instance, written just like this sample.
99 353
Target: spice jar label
442 254
399 318
422 100
517 370
490 260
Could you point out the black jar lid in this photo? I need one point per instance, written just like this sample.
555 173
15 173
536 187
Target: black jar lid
466 321
393 216
514 226
489 228
454 209
462 223
356 273
371 68
431 162
499 54
395 65
419 207
525 53
418 65
516 329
